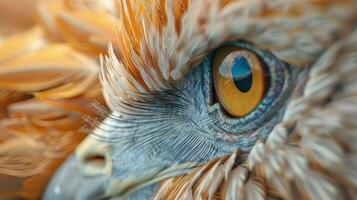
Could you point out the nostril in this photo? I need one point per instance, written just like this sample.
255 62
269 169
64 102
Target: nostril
93 164
98 161
93 158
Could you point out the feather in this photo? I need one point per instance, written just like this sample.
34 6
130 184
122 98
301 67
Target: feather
54 65
80 27
85 29
16 16
22 43
46 86
233 189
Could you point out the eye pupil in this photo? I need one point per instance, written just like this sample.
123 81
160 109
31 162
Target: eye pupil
242 74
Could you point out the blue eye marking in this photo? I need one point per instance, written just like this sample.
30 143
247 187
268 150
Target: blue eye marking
242 74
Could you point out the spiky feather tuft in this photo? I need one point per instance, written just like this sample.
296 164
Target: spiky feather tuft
160 41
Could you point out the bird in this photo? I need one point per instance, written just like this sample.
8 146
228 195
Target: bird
183 99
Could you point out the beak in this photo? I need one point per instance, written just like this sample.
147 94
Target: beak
85 175
92 173
69 183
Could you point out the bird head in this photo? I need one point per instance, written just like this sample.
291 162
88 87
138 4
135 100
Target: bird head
229 98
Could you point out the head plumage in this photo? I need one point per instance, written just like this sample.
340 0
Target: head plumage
159 41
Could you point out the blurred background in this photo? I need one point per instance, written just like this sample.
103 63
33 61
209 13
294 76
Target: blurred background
49 64
16 15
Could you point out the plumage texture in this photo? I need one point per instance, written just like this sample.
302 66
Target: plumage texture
49 79
46 86
310 153
151 55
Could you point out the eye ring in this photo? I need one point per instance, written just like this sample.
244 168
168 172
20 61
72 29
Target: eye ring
240 80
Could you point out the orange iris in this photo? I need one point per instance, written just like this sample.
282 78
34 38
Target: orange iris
239 80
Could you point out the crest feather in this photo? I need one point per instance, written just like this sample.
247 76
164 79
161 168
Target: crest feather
159 41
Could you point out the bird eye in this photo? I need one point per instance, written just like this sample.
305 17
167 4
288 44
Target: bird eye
240 80
247 86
